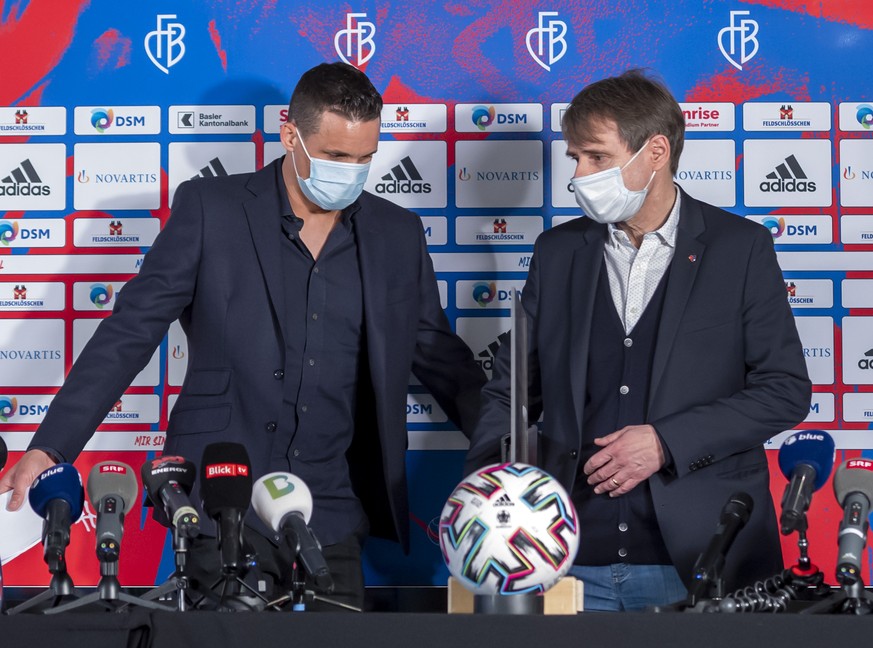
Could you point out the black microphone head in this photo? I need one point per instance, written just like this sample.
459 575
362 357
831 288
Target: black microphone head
225 478
112 478
157 472
854 476
3 453
740 505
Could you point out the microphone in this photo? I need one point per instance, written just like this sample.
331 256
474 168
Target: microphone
3 453
806 460
168 481
226 488
707 569
57 496
853 487
283 502
112 489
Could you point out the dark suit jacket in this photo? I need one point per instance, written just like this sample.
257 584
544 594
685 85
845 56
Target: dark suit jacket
216 267
728 374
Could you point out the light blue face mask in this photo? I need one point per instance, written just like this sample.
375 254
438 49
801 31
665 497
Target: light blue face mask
332 185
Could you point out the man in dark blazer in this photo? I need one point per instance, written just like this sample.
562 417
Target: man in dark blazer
663 354
306 304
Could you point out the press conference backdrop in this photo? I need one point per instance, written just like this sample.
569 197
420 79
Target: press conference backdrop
107 107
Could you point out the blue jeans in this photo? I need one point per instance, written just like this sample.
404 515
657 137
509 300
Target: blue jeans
620 587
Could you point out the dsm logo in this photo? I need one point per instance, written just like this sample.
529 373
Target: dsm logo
778 228
485 116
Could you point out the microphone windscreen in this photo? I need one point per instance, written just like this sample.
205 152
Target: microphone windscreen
854 476
812 447
157 472
113 478
740 504
277 494
3 453
61 482
225 478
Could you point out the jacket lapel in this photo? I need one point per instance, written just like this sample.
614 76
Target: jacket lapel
372 249
263 213
584 273
682 272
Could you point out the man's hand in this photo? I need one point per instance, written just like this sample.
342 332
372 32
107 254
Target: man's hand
20 476
629 457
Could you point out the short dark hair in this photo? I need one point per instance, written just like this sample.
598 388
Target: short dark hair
333 87
640 106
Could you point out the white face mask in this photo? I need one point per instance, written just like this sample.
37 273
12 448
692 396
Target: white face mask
332 185
604 197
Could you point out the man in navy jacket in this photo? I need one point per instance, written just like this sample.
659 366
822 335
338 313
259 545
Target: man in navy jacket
306 304
663 354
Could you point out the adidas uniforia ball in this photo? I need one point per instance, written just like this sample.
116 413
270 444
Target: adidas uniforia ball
509 529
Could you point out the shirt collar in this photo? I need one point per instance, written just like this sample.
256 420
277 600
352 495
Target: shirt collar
667 231
289 220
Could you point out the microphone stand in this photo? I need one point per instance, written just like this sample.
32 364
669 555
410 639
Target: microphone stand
108 593
61 586
178 582
299 596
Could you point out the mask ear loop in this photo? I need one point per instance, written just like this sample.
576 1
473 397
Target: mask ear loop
634 157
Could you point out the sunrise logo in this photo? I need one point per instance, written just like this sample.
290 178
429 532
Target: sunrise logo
101 294
483 116
102 118
7 407
776 226
484 293
8 232
865 115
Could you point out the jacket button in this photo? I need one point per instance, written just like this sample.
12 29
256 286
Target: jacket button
271 426
278 374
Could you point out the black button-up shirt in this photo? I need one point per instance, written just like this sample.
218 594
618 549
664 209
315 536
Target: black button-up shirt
324 321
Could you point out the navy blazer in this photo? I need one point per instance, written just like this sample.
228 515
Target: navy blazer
728 374
216 268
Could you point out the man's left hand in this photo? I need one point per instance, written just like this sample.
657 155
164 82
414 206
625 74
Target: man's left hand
629 457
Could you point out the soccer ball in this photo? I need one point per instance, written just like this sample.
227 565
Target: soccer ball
509 529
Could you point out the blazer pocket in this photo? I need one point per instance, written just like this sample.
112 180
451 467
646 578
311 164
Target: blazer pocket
743 472
207 382
197 421
401 293
704 323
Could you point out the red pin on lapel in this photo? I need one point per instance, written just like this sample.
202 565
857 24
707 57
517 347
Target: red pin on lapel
692 258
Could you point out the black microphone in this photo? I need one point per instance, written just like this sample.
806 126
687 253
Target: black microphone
168 481
707 569
226 488
57 496
283 502
3 453
806 460
853 487
112 489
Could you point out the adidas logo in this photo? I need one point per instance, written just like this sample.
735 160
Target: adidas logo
504 500
788 176
24 181
867 361
212 170
403 179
